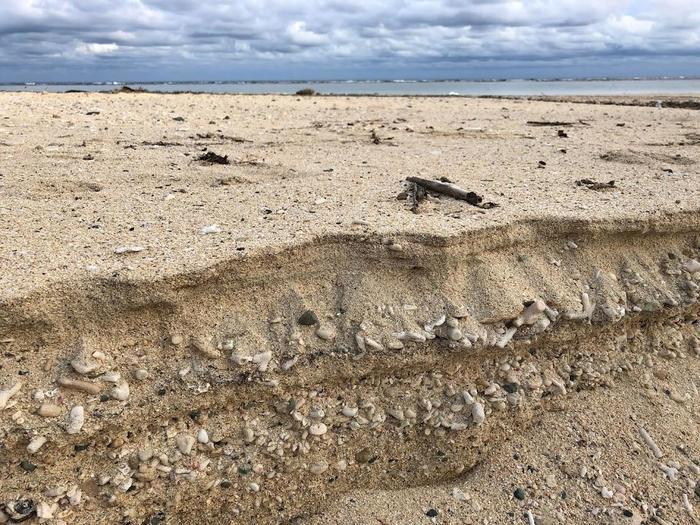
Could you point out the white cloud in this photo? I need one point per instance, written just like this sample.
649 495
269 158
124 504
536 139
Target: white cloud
298 34
157 33
96 49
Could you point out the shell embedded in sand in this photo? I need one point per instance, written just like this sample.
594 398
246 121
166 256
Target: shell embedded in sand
76 420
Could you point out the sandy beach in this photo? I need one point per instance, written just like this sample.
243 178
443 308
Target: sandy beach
236 309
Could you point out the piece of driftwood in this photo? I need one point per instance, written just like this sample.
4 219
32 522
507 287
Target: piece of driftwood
594 185
453 191
557 123
416 194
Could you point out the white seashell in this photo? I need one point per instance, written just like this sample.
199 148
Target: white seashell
396 413
35 444
693 266
374 345
318 429
410 336
212 228
240 359
262 360
120 392
184 443
128 249
111 377
6 394
82 366
503 341
349 411
76 419
478 414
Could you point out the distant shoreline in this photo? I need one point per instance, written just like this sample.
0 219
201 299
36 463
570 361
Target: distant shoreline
344 81
532 88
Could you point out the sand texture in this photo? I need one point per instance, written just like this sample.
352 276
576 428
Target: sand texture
299 336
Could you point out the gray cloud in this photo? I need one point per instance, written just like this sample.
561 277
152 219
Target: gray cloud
63 39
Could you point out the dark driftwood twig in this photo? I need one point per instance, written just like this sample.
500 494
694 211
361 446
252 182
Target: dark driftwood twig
452 191
557 123
416 194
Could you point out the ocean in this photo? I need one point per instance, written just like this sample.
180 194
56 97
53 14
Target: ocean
400 87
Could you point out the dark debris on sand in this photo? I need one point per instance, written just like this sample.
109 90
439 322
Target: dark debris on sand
127 89
212 158
597 186
556 123
444 187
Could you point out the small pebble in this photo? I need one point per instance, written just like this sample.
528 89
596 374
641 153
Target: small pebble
144 455
478 414
27 465
349 411
318 429
319 468
364 455
82 366
455 334
262 360
184 443
458 494
248 435
128 249
35 444
76 420
325 332
49 410
212 228
120 392
308 318
110 377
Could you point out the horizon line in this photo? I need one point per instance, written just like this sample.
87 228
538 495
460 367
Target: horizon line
348 80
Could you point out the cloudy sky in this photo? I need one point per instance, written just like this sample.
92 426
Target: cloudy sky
99 40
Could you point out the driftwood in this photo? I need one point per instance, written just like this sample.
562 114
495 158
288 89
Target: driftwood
416 194
453 191
549 123
594 185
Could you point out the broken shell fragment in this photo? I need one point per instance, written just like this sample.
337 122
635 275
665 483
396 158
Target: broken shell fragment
76 420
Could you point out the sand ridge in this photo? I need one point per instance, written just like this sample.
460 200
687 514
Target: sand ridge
87 174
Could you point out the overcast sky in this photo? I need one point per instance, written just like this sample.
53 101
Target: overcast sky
99 40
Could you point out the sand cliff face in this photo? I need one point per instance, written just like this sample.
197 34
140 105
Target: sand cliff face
540 368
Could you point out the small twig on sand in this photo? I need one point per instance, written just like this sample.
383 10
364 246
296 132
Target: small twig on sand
453 191
597 186
557 123
416 194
